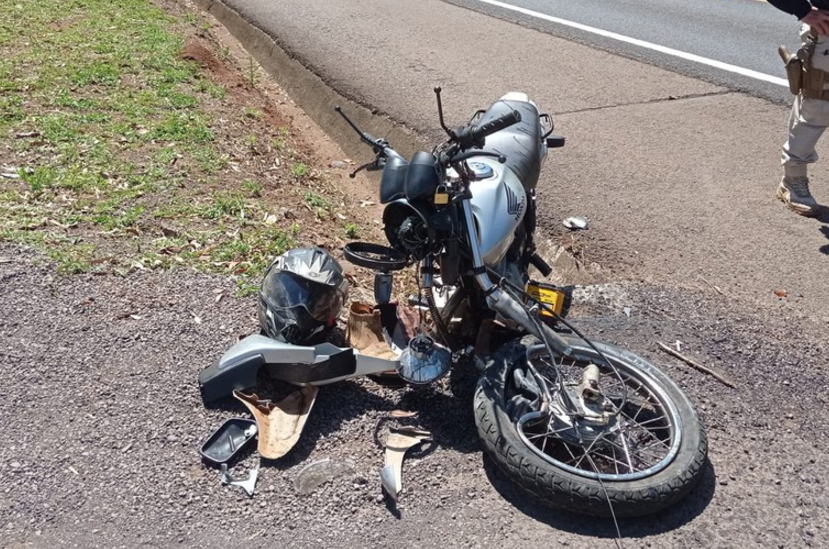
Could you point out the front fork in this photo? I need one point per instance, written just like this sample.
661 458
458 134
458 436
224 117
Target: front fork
502 302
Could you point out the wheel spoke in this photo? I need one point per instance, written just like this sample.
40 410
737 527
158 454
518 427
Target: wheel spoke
638 452
587 451
639 438
655 442
627 453
569 451
615 460
652 436
639 411
549 434
647 421
612 460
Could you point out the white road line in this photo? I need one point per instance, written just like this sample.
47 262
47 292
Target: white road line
642 44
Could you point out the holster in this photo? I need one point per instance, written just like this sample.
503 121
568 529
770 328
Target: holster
802 76
794 69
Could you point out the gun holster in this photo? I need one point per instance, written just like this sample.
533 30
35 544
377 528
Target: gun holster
803 77
794 69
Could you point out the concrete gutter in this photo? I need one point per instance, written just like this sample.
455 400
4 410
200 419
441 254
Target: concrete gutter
311 93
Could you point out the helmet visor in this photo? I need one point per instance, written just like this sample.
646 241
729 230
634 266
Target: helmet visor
289 290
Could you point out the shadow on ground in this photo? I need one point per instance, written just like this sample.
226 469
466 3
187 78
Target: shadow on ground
823 217
651 525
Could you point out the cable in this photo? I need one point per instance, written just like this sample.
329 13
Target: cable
507 285
618 539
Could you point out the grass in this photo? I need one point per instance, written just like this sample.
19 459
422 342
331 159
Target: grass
252 188
251 112
300 170
251 72
111 133
315 200
352 230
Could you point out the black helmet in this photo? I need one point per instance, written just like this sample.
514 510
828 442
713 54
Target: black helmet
301 295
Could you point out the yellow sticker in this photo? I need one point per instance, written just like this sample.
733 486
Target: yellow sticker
549 296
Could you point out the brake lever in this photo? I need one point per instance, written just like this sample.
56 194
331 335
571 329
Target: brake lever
377 144
377 164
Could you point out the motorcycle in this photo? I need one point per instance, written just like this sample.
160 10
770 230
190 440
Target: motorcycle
577 424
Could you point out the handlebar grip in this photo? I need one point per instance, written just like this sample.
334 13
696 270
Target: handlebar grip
479 133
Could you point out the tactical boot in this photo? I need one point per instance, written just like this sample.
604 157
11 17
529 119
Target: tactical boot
794 192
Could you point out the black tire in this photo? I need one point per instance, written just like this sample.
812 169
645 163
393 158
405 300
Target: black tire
559 488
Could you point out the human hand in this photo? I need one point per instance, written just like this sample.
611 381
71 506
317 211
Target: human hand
818 20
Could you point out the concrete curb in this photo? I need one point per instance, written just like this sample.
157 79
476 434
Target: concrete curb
311 93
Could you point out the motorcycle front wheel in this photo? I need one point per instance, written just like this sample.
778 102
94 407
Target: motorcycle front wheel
643 457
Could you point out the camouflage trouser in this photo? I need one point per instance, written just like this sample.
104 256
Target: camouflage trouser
808 120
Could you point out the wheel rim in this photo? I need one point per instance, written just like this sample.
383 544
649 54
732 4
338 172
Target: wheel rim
642 441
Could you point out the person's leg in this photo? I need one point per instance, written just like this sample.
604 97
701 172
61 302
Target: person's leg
807 122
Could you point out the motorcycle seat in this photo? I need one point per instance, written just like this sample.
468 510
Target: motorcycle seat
520 143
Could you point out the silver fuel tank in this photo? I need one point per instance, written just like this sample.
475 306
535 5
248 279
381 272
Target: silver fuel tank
499 203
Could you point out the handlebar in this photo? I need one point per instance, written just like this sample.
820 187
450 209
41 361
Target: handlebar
461 139
475 136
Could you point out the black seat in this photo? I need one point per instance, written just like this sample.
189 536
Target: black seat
520 143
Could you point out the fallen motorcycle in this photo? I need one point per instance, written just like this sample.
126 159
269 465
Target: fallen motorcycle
581 425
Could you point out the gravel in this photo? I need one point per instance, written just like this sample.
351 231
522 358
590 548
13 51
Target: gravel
103 422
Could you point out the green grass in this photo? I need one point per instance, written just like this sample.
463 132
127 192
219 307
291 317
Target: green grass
122 139
315 200
39 179
226 205
300 170
352 230
252 188
250 141
250 112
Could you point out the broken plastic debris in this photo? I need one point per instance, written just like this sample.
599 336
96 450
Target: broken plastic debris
627 311
318 473
575 223
402 414
397 443
280 424
247 484
10 173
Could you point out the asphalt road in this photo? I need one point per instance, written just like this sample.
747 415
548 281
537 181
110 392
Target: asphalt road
677 175
741 33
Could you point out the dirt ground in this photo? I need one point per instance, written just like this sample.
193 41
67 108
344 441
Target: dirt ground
103 423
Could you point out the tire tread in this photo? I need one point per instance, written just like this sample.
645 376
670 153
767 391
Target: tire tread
551 486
